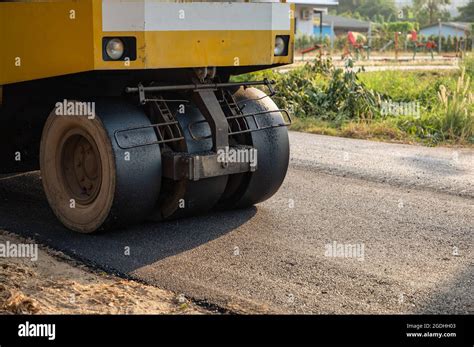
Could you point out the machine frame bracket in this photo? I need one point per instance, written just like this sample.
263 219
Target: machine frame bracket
194 167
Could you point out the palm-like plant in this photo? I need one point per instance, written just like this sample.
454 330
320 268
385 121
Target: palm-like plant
457 112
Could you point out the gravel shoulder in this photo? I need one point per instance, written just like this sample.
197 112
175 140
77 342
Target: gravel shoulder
49 282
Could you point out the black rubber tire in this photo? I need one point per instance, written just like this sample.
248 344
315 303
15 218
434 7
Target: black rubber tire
198 197
130 179
273 154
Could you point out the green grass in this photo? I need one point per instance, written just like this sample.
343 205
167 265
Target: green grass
407 86
315 126
380 131
469 65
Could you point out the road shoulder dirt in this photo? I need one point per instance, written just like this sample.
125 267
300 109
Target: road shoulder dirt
55 284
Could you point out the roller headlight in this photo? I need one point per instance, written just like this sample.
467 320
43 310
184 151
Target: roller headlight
115 49
280 46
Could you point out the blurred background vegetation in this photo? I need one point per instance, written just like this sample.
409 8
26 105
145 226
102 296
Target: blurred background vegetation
347 101
424 12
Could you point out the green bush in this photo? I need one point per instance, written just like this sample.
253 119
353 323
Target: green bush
321 90
423 128
402 27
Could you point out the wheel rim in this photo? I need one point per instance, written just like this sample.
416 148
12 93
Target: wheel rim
80 167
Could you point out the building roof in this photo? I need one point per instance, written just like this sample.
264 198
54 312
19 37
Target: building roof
456 25
315 2
344 22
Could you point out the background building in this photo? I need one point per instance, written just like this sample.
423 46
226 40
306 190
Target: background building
305 13
453 29
341 25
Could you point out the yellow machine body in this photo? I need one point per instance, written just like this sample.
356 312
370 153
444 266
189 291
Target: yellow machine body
41 39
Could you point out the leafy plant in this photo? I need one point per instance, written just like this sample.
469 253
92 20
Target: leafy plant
349 97
321 90
403 27
423 127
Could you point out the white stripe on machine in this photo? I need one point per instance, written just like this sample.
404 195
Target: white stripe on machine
152 15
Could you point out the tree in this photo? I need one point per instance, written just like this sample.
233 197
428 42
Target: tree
348 6
434 8
375 10
379 8
466 12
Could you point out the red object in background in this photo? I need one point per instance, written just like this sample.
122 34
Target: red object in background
311 49
414 38
352 38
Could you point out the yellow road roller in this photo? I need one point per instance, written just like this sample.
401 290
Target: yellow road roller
129 110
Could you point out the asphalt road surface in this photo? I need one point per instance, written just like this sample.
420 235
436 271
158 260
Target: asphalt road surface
358 227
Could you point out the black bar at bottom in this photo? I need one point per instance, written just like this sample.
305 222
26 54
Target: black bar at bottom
227 329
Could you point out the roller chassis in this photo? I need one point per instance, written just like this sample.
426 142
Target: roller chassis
219 118
167 135
222 124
